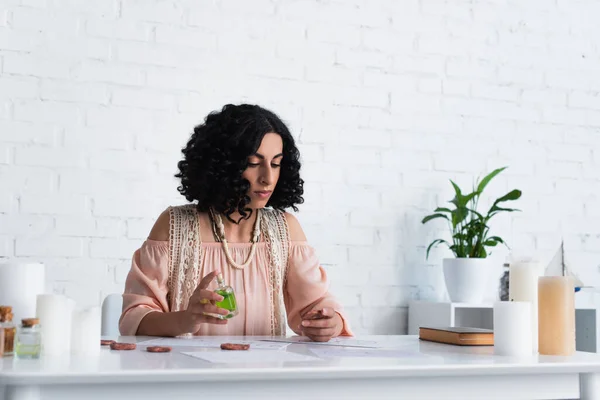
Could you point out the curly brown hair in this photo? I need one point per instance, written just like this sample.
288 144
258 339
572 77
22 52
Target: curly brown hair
217 154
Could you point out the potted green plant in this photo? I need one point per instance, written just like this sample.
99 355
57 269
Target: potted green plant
467 274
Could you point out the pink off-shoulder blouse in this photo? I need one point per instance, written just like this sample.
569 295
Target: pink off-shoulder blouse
306 287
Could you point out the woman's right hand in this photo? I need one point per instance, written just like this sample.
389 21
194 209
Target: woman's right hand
202 302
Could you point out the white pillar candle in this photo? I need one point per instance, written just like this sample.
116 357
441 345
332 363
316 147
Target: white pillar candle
19 286
85 335
69 321
512 329
54 313
523 286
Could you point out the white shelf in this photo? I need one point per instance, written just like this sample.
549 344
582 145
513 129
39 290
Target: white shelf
443 314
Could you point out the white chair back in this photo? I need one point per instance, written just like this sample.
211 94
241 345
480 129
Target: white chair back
111 312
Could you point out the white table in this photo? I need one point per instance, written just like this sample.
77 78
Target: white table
426 371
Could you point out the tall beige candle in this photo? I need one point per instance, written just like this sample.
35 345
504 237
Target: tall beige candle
556 313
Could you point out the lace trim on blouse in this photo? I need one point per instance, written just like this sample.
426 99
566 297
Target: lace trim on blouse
186 257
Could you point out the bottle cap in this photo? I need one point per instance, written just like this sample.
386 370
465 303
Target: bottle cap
6 314
5 310
29 322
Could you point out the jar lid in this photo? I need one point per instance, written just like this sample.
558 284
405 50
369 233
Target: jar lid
6 314
5 310
29 322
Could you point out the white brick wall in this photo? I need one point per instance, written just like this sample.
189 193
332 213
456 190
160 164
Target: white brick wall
389 99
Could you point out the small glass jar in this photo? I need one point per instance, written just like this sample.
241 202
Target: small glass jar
29 339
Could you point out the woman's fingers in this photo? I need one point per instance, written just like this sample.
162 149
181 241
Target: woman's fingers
204 297
321 329
319 323
208 295
202 304
319 332
212 320
328 312
207 280
316 338
212 309
209 308
209 314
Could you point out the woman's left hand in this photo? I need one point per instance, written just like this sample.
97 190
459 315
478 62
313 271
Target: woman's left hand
328 325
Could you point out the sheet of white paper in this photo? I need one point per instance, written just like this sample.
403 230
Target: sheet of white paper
249 356
327 352
333 342
213 343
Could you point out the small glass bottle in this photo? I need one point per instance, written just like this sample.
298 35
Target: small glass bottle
504 281
29 339
1 342
9 329
228 301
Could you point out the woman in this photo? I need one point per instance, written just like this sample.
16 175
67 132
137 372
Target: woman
236 163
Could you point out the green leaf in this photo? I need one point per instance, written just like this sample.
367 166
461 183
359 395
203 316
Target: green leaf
496 238
496 209
469 197
435 243
484 182
458 251
476 225
459 215
490 243
478 251
458 199
476 213
456 189
460 236
512 195
434 216
443 209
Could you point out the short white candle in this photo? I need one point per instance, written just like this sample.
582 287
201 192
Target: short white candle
54 313
523 286
512 329
85 335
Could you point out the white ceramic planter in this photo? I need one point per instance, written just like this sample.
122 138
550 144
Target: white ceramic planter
466 278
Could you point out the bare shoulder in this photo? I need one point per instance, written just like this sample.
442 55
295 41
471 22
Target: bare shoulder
162 226
296 232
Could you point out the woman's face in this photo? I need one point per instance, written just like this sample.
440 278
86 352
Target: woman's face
263 170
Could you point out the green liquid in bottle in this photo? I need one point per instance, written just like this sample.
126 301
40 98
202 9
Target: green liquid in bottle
227 303
28 350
